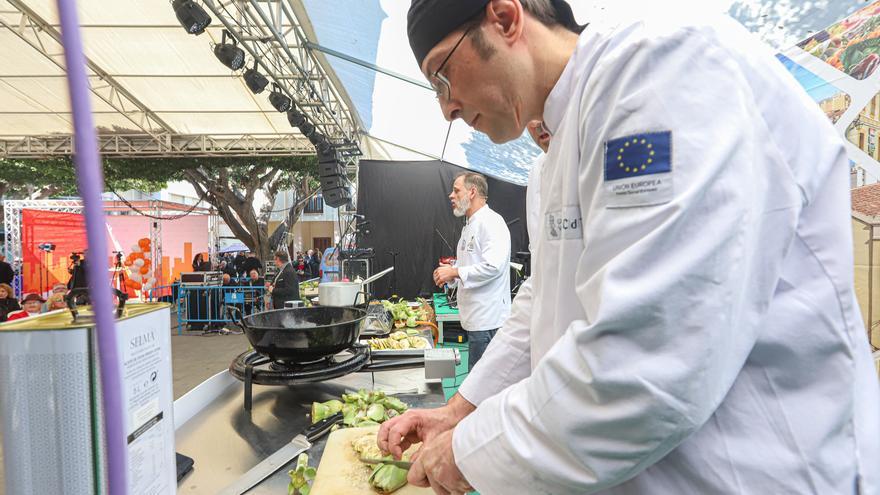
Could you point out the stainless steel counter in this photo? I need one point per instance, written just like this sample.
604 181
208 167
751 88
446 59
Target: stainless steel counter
226 441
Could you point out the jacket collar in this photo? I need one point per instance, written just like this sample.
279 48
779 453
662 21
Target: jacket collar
559 99
478 213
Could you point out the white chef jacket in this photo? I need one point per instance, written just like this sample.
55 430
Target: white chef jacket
510 361
533 202
483 262
695 329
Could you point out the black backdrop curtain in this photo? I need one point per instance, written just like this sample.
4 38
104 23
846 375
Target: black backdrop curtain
406 201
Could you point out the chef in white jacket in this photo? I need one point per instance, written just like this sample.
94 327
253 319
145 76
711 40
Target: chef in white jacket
694 328
482 269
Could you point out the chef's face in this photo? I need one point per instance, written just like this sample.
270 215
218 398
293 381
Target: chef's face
460 197
485 75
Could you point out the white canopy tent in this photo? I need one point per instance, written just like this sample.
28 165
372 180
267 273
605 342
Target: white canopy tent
158 91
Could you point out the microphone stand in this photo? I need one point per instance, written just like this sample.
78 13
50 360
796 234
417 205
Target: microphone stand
393 283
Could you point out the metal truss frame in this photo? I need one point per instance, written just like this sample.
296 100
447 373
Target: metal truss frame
267 29
271 34
12 225
160 144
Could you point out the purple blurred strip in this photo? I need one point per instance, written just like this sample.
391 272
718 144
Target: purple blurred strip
90 180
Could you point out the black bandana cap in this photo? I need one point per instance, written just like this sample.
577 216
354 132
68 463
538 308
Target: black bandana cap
429 21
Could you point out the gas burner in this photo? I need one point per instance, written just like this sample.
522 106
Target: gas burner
252 367
264 371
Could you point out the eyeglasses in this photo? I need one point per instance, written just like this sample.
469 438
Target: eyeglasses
442 86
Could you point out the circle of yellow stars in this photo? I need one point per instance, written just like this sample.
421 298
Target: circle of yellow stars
638 168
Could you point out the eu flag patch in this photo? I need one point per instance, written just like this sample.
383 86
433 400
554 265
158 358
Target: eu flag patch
638 155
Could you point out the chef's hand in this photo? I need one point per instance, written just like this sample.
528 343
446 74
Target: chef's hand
420 425
445 273
434 466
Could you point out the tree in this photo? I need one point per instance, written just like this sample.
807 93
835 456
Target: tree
42 179
229 184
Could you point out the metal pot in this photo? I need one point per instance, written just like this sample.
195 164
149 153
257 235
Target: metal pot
302 334
341 294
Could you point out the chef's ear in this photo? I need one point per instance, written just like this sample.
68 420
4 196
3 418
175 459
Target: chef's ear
505 18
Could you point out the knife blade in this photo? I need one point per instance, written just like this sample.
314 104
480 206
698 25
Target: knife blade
280 458
400 464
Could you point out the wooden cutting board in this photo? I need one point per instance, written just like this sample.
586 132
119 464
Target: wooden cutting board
341 473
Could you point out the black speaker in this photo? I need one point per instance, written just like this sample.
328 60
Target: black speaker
326 169
336 197
333 181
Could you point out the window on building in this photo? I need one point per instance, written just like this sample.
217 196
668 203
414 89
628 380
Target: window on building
315 205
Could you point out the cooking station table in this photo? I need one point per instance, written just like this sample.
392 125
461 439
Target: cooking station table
226 441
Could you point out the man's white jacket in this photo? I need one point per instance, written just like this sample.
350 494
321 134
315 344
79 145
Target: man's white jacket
692 325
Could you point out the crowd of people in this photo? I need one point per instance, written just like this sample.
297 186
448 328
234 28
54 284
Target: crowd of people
31 304
246 270
306 264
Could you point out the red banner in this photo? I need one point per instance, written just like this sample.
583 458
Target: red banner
180 240
41 268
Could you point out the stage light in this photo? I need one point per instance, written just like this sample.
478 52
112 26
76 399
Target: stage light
278 99
307 129
229 54
295 117
191 16
255 81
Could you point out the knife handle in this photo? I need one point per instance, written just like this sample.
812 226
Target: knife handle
319 429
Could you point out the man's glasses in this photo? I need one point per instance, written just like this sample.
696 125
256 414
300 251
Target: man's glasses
442 86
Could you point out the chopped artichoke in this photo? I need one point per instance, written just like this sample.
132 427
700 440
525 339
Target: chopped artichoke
334 406
301 476
323 410
376 412
394 403
387 478
366 448
319 411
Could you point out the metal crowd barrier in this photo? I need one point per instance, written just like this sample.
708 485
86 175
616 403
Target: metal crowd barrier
164 293
200 306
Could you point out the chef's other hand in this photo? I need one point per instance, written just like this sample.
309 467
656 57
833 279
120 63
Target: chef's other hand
445 273
420 425
435 467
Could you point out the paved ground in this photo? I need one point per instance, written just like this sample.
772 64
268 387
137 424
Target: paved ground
196 357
